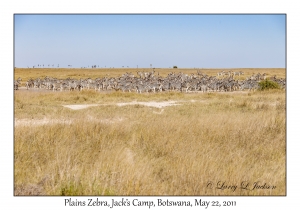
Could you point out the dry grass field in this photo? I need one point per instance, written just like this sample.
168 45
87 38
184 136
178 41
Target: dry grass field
231 143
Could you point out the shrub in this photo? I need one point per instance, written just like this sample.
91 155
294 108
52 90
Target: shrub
174 67
268 84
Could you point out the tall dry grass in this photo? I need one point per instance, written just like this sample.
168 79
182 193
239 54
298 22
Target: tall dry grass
132 150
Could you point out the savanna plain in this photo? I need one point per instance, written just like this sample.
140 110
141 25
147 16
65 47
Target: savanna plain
204 144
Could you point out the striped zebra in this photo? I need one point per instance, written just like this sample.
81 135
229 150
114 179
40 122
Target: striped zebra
29 84
17 83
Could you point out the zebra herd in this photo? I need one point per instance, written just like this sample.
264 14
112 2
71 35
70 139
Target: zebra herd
151 82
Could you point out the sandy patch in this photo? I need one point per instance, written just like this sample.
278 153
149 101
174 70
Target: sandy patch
151 104
80 106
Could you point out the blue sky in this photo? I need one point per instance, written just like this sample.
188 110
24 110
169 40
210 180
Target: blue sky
188 41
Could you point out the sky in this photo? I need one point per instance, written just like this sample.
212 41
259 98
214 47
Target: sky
158 41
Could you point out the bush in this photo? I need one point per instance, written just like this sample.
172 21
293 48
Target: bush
174 67
268 84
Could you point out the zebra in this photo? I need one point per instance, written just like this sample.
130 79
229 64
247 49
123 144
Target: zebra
37 83
64 86
213 86
74 85
56 85
155 86
92 86
264 76
203 88
175 85
17 83
229 85
141 88
165 85
185 85
140 74
29 84
126 88
219 74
